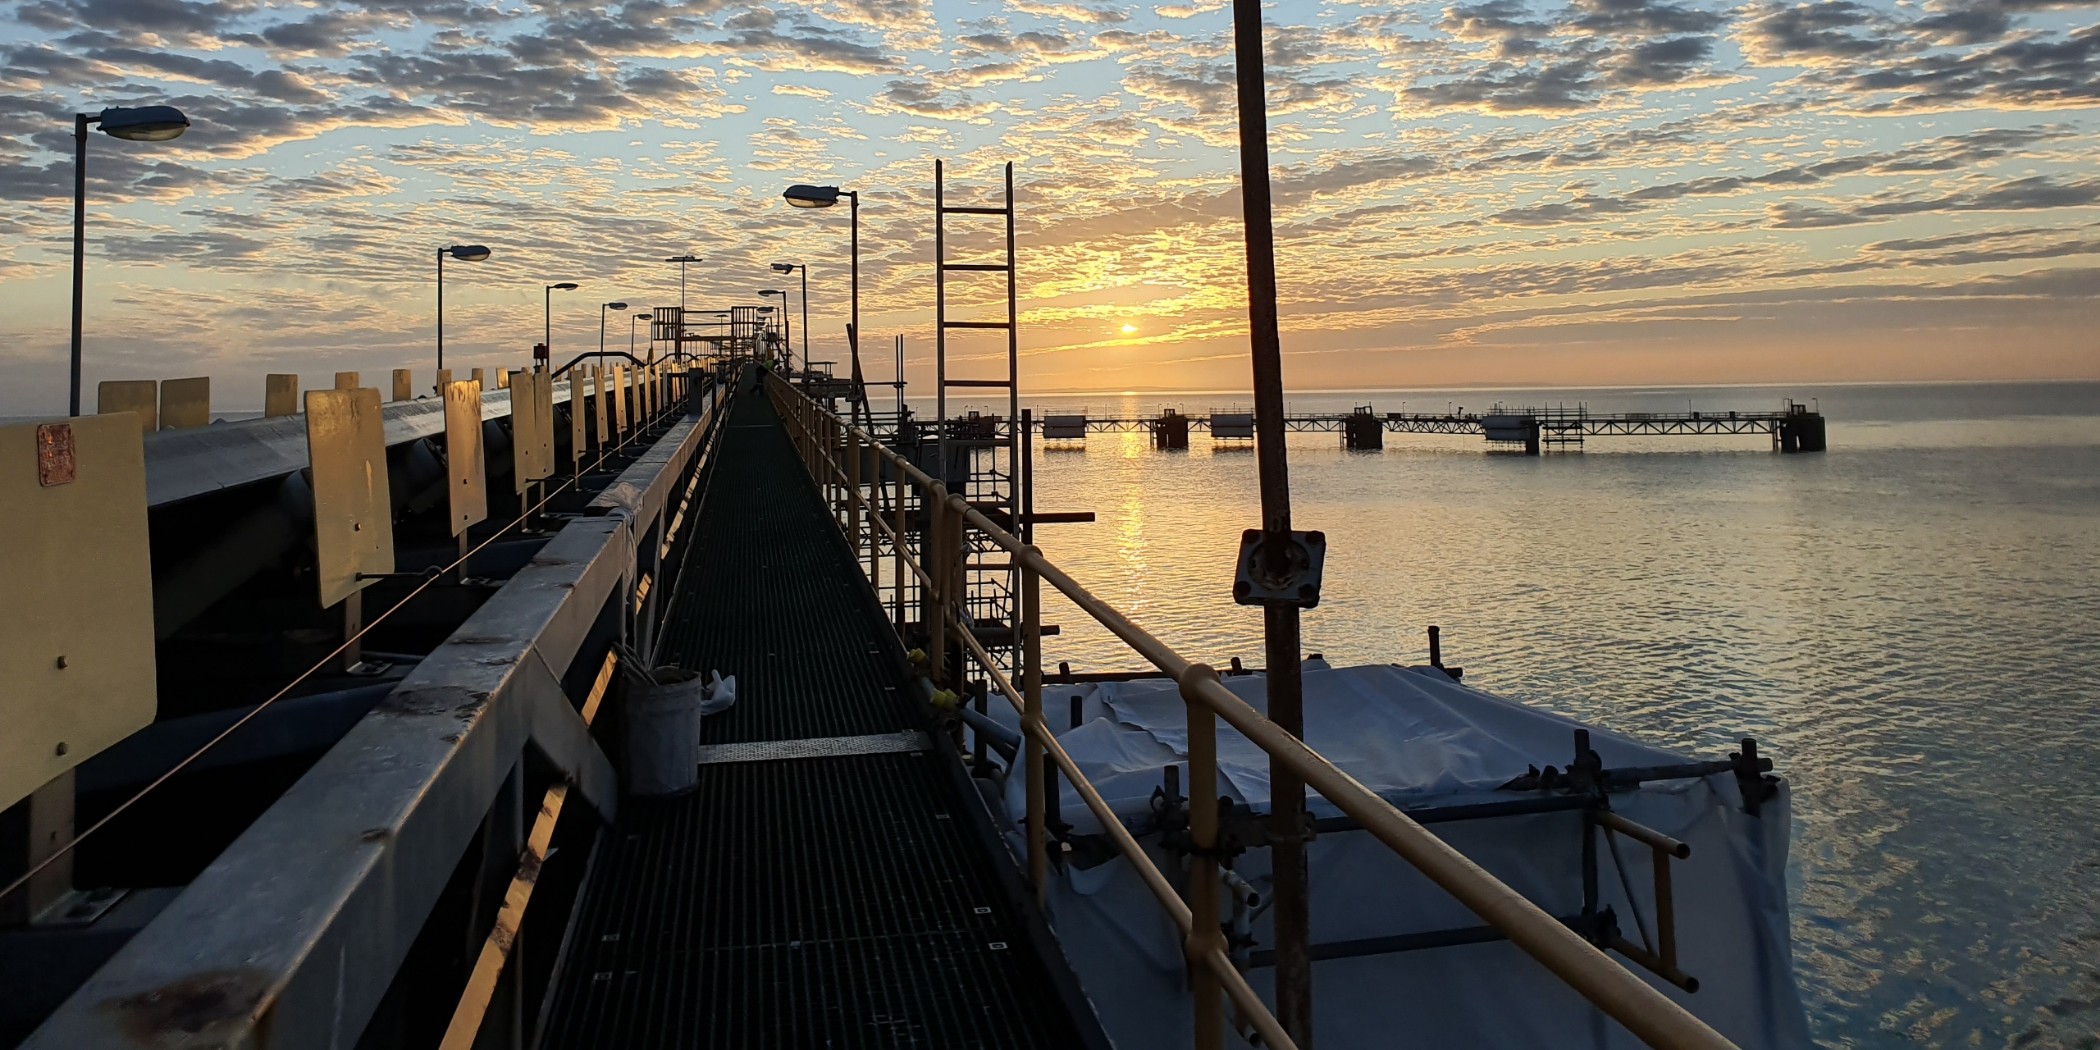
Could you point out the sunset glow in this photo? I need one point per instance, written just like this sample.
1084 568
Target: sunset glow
1508 191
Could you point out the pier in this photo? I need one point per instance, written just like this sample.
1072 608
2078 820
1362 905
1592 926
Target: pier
1792 428
327 729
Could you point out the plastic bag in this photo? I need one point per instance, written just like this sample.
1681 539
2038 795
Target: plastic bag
721 693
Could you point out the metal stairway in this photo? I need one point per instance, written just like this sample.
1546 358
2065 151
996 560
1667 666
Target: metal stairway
858 897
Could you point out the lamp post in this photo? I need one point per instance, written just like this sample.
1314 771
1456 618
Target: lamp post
804 268
142 124
565 286
787 323
464 253
643 316
602 307
803 196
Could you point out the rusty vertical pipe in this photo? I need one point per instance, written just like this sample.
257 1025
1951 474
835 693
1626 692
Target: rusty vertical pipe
1204 936
1033 729
1279 622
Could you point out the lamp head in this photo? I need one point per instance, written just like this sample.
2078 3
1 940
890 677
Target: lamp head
771 291
645 315
144 123
615 306
468 252
802 196
783 267
565 286
683 259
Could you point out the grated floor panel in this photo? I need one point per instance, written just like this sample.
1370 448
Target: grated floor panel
823 902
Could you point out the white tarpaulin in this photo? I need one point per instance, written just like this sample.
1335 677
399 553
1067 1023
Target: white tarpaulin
1419 739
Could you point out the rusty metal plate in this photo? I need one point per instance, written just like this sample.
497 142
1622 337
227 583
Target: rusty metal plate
404 385
140 397
347 381
185 403
602 404
353 514
54 454
469 488
76 600
280 395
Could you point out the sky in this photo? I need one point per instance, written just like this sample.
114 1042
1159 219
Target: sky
1501 192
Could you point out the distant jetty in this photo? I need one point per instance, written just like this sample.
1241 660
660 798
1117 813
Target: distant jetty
1793 428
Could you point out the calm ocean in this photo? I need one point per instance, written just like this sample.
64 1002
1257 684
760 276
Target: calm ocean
1909 624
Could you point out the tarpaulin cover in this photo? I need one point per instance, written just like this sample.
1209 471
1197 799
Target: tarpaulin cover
1419 739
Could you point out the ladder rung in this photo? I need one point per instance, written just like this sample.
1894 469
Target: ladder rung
974 324
972 210
977 267
976 382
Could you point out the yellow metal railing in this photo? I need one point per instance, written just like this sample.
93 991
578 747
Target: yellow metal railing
828 445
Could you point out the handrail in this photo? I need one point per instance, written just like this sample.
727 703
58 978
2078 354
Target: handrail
1651 1016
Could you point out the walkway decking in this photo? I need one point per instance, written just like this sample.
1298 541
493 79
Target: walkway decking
851 900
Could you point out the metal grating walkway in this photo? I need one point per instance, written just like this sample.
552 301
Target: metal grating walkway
843 901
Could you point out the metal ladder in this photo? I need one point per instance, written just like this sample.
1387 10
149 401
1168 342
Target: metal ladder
983 458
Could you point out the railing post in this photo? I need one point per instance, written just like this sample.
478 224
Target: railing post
898 537
934 558
1204 937
853 497
1032 727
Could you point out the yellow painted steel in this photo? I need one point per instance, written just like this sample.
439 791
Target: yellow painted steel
619 399
76 598
464 460
140 397
185 403
347 381
280 395
444 379
353 514
542 400
531 429
404 385
481 375
503 378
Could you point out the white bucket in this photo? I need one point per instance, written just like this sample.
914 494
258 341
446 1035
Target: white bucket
663 734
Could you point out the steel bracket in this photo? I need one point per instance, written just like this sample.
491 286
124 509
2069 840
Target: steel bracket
1304 559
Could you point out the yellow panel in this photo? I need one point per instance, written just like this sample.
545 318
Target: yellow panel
576 421
140 397
76 597
463 456
481 375
503 377
599 393
444 380
528 433
185 403
353 514
619 388
543 410
347 381
404 388
280 395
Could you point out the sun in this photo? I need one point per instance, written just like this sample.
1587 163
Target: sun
1129 328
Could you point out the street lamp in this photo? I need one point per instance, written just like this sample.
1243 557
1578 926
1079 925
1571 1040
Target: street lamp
791 268
788 323
565 286
643 316
803 196
681 260
464 253
141 124
602 307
